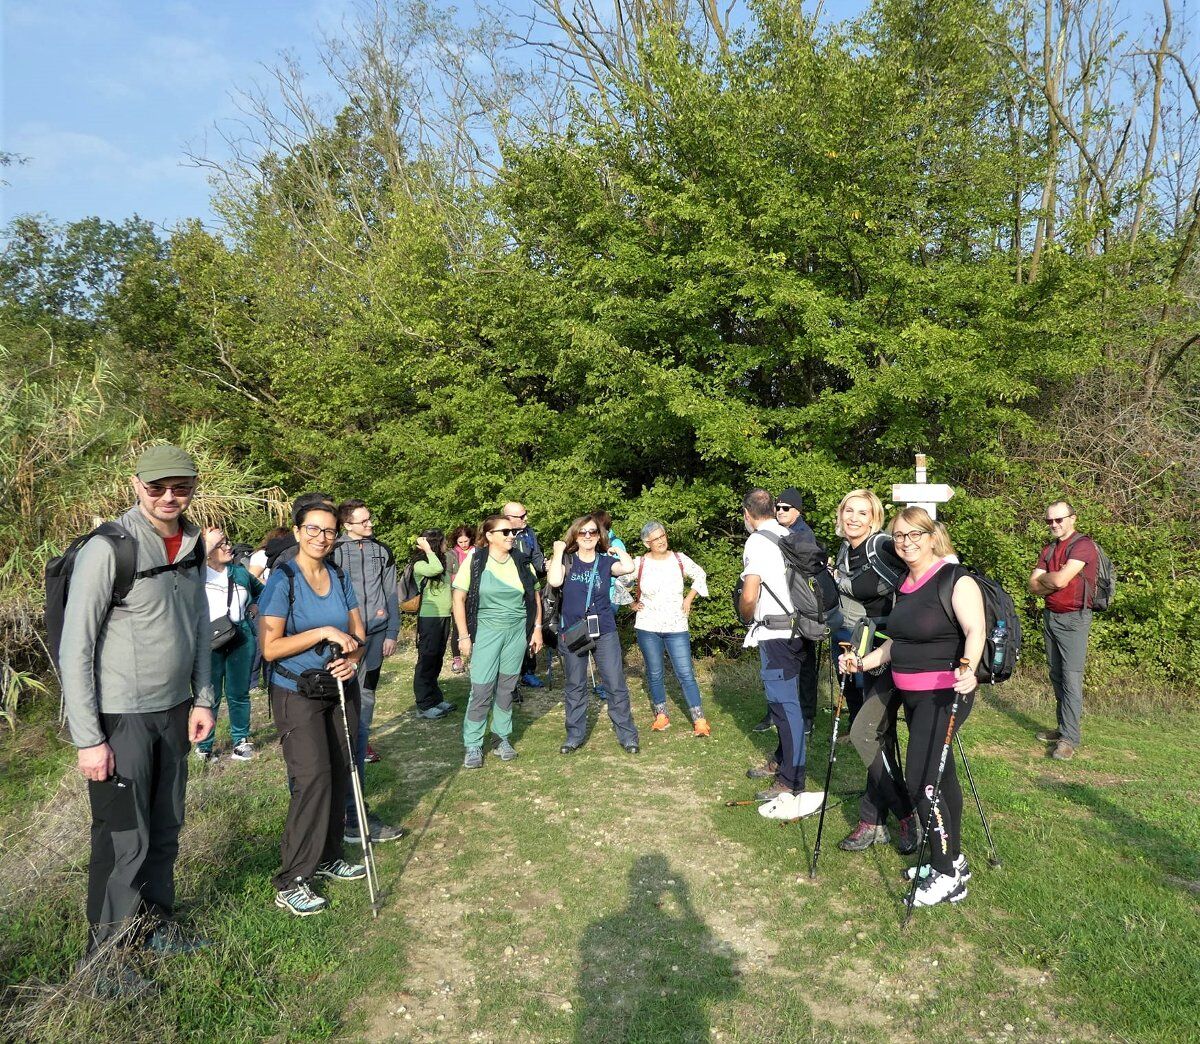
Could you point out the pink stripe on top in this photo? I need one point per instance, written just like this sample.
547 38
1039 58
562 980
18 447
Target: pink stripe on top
908 587
923 681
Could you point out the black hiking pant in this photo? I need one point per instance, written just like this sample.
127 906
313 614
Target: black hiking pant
432 632
313 738
137 814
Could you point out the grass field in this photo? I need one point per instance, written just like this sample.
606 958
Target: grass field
604 897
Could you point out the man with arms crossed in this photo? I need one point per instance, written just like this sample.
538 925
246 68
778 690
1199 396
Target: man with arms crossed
1066 577
135 680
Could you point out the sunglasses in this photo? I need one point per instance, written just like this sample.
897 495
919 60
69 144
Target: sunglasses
316 531
503 532
783 507
154 490
1057 521
589 532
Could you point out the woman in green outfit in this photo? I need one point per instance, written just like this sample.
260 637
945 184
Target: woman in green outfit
499 615
434 570
232 592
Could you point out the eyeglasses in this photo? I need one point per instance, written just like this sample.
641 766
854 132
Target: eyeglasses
913 536
224 545
503 532
589 532
660 535
154 490
1057 521
368 521
316 531
783 507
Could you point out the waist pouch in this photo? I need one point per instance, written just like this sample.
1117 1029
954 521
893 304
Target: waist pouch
576 638
224 632
317 684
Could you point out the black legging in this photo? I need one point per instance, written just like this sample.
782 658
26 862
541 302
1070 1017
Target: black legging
928 714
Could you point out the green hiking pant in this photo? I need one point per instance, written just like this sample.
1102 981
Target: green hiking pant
496 657
231 682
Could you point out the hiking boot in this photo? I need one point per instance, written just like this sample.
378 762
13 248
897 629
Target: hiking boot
908 838
456 665
169 940
939 888
532 680
773 791
766 770
381 832
700 727
473 758
372 756
506 750
300 899
661 721
766 725
864 836
961 868
1063 751
119 981
243 751
340 870
1049 736
433 713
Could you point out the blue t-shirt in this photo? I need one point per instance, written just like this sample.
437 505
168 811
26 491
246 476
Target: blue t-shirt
575 592
308 611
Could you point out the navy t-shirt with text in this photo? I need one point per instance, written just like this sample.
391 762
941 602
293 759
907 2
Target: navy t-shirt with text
575 592
308 611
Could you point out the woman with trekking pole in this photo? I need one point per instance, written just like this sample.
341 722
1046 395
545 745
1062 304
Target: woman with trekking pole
499 617
580 572
936 637
308 613
867 573
661 624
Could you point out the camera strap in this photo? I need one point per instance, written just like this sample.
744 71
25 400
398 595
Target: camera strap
587 605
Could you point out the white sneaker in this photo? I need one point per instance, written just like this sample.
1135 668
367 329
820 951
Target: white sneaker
960 867
939 888
244 751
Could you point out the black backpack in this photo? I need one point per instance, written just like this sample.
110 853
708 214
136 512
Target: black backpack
811 587
59 570
1002 626
1106 577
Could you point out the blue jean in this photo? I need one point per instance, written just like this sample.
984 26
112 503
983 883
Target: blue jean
612 674
781 662
678 645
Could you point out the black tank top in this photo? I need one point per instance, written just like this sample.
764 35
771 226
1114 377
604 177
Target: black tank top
923 637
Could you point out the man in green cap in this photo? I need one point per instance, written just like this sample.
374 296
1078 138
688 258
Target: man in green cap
135 681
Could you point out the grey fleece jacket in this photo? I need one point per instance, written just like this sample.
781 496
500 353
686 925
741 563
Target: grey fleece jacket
371 569
150 653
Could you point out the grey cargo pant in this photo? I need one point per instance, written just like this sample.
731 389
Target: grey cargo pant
1066 636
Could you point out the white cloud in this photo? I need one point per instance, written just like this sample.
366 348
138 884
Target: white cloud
61 157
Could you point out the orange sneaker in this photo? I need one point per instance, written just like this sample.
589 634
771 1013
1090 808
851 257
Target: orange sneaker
700 727
661 721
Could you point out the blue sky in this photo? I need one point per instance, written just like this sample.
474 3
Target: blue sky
105 97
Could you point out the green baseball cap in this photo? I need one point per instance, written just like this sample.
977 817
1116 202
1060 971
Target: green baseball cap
160 462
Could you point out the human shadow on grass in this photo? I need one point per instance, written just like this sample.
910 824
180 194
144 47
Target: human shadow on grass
1173 855
650 972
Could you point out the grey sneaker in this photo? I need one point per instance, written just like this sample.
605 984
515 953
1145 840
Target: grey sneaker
474 758
300 899
506 750
340 870
433 713
447 706
244 751
381 832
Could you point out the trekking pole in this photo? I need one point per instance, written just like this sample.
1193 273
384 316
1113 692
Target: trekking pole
937 794
833 737
993 859
360 807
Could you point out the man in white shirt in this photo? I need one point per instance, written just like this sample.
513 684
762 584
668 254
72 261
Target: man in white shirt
765 605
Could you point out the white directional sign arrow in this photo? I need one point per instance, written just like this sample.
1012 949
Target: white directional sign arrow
921 493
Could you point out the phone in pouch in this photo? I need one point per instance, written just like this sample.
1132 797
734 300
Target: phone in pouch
593 624
113 803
